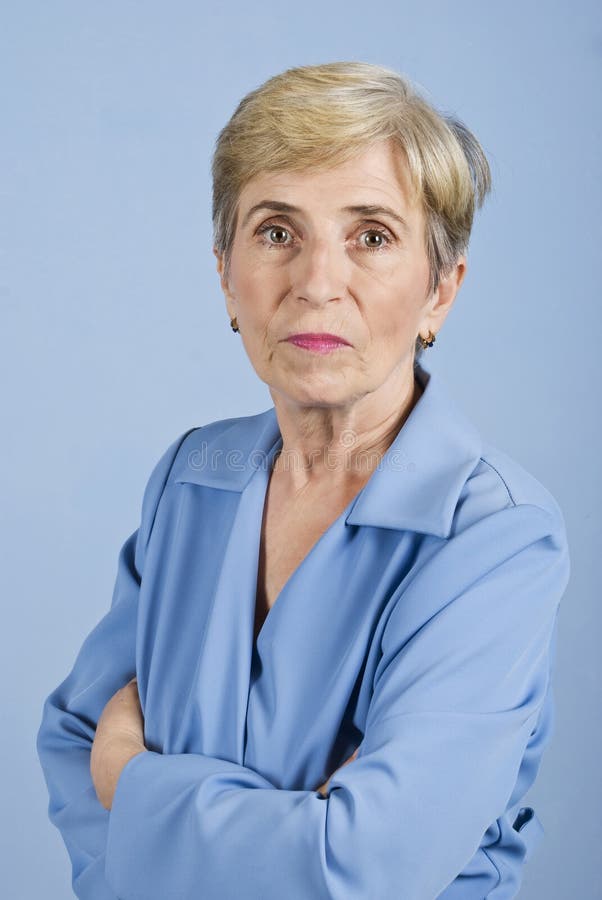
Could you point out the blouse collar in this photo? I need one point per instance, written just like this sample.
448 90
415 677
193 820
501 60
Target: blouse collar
416 485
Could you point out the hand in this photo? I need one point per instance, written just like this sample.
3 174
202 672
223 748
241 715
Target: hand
323 789
119 737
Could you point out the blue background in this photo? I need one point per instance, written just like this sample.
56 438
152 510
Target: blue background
115 338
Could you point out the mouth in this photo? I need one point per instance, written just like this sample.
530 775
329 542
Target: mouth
323 342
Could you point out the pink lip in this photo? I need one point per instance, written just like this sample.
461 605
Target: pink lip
319 343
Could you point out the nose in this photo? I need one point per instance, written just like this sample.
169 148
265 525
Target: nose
319 271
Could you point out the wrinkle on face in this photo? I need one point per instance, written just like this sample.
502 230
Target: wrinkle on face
325 279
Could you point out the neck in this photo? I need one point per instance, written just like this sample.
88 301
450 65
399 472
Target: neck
339 446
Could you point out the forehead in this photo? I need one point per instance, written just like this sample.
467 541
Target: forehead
377 175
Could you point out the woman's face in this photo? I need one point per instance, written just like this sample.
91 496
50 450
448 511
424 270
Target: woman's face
319 265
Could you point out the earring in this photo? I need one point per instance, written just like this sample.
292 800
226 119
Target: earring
234 324
427 341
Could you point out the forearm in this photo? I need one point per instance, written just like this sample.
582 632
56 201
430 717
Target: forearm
107 760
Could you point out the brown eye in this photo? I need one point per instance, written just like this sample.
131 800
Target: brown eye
278 231
376 240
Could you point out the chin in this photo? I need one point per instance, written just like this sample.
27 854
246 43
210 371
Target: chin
315 395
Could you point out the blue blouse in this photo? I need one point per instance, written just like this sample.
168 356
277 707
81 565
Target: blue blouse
420 627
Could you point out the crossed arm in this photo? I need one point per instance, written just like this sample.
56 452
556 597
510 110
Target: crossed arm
120 736
453 706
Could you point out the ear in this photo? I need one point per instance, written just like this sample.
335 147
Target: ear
443 298
220 261
230 302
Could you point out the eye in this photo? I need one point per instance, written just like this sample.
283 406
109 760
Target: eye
274 230
383 240
277 237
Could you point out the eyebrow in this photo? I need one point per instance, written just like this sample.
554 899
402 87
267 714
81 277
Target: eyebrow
362 208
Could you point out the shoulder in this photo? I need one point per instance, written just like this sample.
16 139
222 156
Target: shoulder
222 453
499 482
505 525
179 461
505 559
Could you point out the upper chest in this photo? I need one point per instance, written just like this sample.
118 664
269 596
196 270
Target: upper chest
291 527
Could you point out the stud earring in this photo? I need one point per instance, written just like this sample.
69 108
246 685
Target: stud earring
427 341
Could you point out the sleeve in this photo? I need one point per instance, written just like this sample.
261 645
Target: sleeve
105 663
453 704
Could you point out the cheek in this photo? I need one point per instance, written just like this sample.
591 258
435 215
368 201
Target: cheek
243 271
255 289
395 314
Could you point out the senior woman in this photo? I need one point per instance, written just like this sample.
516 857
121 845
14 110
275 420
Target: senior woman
325 671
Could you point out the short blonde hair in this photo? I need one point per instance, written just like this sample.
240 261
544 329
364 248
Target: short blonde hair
318 116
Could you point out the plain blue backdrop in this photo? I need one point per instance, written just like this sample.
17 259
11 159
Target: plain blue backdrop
115 337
